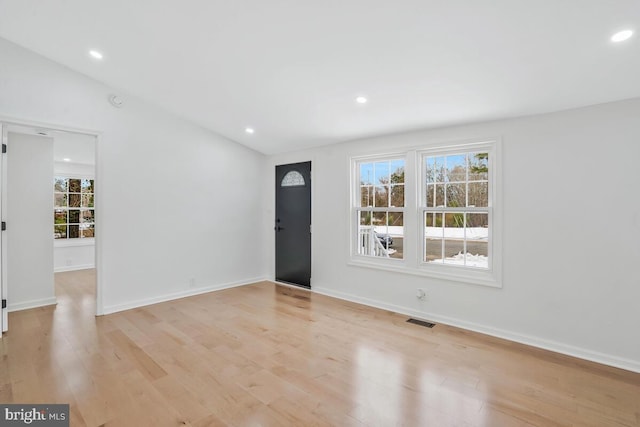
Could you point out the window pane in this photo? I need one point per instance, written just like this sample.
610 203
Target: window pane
397 171
454 239
397 195
60 200
87 186
479 221
477 254
74 231
382 196
60 232
381 171
431 195
380 221
433 237
369 242
478 166
396 219
87 230
366 174
477 240
74 185
60 216
435 195
433 222
438 169
74 200
456 195
60 184
381 234
365 217
364 229
366 195
86 216
429 169
434 169
479 194
87 200
456 168
394 240
74 216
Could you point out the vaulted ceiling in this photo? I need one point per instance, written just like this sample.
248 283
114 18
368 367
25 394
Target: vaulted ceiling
292 69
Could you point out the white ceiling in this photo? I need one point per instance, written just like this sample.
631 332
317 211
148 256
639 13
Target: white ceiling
292 68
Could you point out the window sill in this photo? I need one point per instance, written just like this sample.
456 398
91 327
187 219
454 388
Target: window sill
67 243
482 278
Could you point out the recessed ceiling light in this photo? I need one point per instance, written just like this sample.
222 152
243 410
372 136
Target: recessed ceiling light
361 100
66 159
249 130
621 36
95 54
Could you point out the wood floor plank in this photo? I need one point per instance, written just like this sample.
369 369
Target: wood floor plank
146 365
267 354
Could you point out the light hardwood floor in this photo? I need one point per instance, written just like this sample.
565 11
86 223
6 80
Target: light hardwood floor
271 355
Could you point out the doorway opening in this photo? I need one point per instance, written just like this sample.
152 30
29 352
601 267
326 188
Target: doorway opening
49 208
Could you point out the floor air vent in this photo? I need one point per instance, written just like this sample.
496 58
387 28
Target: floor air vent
421 323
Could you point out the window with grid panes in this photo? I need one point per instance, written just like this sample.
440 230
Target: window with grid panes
73 212
456 209
447 226
379 210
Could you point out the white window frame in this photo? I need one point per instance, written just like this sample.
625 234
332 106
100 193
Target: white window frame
490 275
355 207
413 262
80 240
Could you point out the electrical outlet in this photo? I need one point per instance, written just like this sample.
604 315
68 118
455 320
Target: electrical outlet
192 283
421 294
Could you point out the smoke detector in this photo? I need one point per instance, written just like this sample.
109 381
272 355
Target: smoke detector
116 101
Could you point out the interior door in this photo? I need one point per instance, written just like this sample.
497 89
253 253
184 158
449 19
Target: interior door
4 324
293 224
28 213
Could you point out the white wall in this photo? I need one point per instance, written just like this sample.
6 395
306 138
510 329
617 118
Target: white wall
175 202
28 214
73 254
571 234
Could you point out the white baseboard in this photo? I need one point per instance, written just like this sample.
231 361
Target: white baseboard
35 303
581 353
73 268
177 295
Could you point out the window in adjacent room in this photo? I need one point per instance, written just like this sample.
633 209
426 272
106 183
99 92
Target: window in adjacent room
73 212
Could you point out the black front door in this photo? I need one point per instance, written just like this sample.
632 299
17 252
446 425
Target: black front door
293 224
